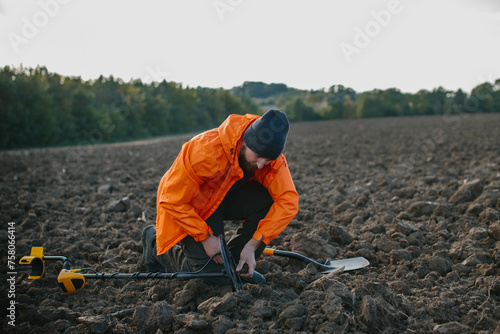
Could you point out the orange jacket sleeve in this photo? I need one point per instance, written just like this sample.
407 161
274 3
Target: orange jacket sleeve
279 183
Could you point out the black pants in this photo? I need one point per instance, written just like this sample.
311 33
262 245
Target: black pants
250 202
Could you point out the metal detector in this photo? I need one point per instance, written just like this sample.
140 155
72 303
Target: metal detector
71 280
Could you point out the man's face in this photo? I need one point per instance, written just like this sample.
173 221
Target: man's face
250 161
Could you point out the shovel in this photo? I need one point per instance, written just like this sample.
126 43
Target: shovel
329 266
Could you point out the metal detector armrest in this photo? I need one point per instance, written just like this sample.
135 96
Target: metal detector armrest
35 259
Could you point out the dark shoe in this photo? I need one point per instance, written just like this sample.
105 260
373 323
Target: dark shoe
149 250
257 278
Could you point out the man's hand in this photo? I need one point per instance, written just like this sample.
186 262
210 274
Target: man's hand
212 246
247 257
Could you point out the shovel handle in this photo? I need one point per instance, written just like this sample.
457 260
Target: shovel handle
269 251
293 255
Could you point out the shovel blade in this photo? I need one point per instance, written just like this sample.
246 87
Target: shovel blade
348 264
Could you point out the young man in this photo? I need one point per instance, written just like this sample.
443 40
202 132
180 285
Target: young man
233 172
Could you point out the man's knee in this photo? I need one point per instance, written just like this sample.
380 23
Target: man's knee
149 257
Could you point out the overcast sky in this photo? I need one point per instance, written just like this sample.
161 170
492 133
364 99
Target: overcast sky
364 44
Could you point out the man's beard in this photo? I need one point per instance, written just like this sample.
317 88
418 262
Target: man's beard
244 164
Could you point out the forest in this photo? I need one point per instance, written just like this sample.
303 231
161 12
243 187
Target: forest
39 108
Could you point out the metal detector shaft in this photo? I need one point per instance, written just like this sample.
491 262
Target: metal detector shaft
64 259
71 280
151 275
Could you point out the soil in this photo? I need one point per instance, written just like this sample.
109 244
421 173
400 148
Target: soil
419 197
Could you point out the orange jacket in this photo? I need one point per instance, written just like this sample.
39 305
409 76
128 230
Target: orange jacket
204 171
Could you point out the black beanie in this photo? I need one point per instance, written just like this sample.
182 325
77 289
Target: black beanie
267 135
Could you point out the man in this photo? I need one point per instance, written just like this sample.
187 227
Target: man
234 172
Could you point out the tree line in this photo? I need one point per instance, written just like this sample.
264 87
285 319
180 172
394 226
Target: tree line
39 108
339 102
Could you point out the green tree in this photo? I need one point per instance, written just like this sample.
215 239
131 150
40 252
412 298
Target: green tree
334 110
297 111
496 95
481 99
420 103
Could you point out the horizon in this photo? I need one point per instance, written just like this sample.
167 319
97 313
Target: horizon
121 80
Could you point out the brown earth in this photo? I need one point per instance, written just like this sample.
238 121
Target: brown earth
419 197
